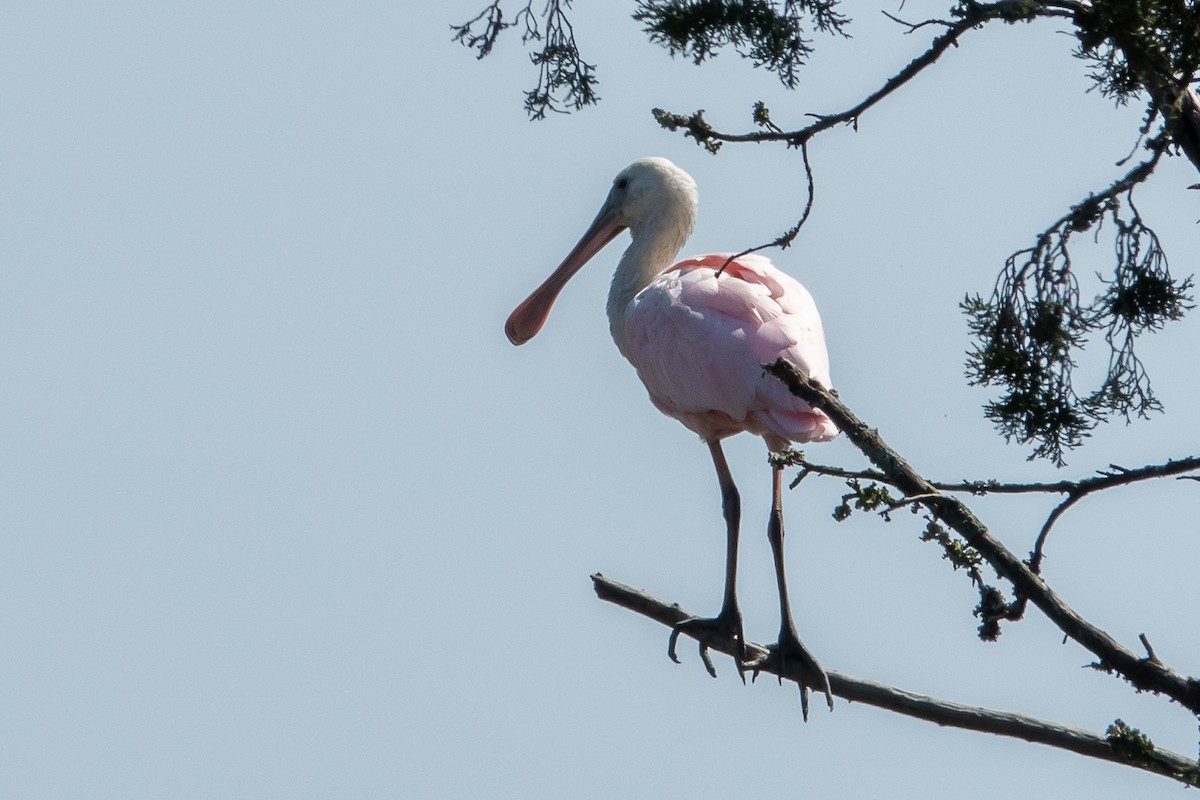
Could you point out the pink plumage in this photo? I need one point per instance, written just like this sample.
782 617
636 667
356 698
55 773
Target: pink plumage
698 340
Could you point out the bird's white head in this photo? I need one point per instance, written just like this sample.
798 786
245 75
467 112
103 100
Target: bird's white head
655 200
654 192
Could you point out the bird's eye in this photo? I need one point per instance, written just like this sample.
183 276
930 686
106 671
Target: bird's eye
622 183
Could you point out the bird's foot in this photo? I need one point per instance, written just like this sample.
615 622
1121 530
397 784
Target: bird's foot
727 623
789 656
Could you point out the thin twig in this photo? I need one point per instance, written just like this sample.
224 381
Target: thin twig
1035 557
1105 480
1119 476
1146 644
786 238
913 27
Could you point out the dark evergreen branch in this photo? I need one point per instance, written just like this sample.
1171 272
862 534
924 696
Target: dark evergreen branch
1030 329
1120 744
1142 673
1150 46
767 34
493 24
565 81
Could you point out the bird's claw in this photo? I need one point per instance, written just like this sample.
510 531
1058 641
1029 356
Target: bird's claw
704 656
789 653
728 624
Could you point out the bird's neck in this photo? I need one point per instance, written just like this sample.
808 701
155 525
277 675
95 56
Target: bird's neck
655 244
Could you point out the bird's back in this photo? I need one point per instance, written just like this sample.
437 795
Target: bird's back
699 341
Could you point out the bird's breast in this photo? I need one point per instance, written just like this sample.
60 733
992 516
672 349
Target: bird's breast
699 340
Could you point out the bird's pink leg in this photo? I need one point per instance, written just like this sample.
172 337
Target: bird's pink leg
729 620
789 649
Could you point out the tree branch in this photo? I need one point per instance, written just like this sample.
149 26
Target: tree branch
1152 50
1075 491
1119 476
565 81
1122 745
1143 673
976 14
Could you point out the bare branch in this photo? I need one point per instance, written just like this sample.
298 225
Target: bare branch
942 712
1035 557
992 608
1106 480
975 15
1146 644
1119 476
914 27
1143 674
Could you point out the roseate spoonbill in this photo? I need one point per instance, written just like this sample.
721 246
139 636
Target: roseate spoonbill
698 333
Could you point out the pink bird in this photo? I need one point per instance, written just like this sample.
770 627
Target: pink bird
698 333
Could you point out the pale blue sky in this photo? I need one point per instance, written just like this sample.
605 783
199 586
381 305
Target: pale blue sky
285 516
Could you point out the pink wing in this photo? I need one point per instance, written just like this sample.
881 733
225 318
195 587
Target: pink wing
698 342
